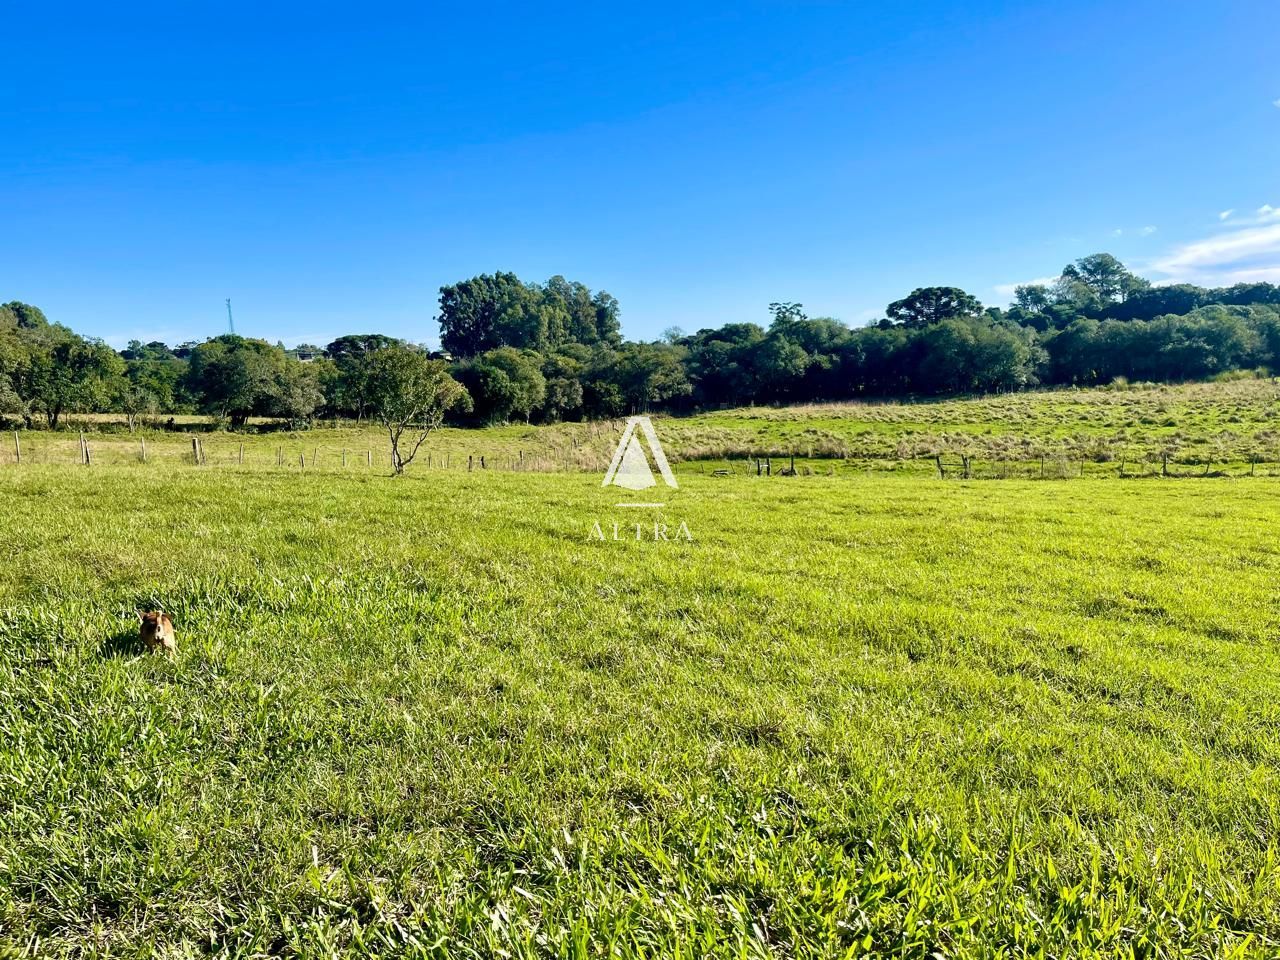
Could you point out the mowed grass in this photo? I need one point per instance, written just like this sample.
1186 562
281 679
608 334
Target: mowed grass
434 716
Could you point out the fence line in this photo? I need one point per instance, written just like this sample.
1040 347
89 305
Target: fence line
42 449
34 449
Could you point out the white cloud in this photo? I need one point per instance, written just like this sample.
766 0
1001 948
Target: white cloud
1141 231
1275 103
1226 214
1267 212
1243 255
1006 290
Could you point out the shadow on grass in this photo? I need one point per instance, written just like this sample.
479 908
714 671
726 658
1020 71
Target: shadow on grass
122 644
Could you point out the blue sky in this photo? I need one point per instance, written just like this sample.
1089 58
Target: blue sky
329 166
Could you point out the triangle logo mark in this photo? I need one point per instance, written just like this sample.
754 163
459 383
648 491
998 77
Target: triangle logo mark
630 466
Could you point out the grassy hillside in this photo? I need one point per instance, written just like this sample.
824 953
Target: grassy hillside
870 715
1232 427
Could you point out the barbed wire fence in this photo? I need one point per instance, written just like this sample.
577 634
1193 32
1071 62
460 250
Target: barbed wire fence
946 459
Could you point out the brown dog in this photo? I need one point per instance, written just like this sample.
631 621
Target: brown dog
156 630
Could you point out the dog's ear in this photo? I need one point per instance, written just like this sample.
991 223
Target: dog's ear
139 615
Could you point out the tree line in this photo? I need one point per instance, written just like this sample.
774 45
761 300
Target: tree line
545 352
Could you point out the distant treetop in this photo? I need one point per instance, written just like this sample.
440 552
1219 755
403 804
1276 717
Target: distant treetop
500 310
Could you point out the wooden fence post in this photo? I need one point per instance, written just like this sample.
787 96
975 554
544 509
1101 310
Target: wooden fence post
279 456
17 448
143 442
344 456
195 451
302 461
242 454
469 462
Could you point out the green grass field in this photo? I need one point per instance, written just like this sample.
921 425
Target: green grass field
869 714
1229 427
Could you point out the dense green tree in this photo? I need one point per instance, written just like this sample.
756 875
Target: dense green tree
231 375
14 358
828 347
499 310
482 313
1265 322
63 372
237 378
1243 294
591 318
563 372
1033 297
512 383
926 305
883 368
779 364
648 374
1106 278
347 391
786 311
28 317
608 322
718 363
157 372
295 392
1004 357
1074 352
504 384
1178 298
